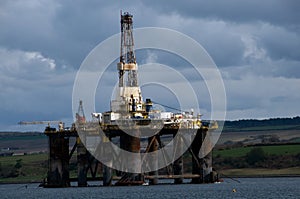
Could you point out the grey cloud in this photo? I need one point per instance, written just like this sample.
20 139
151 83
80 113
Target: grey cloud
279 42
64 30
254 43
263 97
221 25
68 30
22 65
267 68
273 11
32 88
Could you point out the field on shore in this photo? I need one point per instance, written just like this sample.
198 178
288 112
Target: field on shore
289 149
23 168
261 172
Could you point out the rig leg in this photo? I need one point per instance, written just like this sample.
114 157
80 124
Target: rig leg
82 161
107 176
107 171
58 173
202 166
153 146
208 174
178 164
131 144
196 161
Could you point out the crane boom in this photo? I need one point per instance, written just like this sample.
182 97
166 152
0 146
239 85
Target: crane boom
60 123
38 122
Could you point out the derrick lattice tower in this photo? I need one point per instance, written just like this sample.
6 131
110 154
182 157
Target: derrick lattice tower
128 101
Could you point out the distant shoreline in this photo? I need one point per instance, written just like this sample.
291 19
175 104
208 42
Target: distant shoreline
262 176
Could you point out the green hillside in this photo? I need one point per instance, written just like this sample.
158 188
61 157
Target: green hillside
292 149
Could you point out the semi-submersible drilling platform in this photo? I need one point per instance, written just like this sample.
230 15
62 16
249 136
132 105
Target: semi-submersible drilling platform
135 127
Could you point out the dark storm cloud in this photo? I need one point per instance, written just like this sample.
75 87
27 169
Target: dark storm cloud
283 12
65 31
279 42
273 23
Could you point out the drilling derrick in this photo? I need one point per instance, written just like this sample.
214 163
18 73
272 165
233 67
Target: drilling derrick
127 56
128 101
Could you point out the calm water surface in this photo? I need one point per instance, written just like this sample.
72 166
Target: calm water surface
247 188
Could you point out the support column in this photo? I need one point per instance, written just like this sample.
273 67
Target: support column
202 166
82 162
58 173
153 160
208 176
107 176
196 162
178 164
107 171
131 144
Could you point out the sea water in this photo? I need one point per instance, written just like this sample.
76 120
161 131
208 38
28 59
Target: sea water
246 188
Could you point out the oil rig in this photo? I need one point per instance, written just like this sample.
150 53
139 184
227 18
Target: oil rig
135 127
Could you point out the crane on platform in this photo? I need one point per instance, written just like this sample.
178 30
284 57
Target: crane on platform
60 123
80 117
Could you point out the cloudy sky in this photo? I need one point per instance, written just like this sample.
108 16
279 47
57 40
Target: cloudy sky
255 44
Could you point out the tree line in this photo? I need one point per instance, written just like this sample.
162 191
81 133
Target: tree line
246 123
